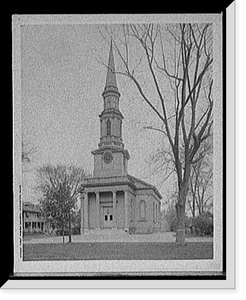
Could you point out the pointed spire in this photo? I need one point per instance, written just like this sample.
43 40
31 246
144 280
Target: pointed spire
111 83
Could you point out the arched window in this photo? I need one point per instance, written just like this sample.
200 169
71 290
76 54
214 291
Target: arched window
120 129
142 209
155 212
108 127
131 210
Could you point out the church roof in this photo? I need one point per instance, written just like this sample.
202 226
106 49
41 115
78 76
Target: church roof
111 83
140 184
137 184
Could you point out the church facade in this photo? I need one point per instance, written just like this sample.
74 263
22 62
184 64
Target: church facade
113 199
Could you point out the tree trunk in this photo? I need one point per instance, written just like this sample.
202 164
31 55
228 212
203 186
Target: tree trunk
180 232
194 207
69 228
180 210
63 233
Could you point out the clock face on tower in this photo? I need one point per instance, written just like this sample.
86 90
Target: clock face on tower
108 157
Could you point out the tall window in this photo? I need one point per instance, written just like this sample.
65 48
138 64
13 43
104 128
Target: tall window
131 210
142 209
120 129
155 211
108 127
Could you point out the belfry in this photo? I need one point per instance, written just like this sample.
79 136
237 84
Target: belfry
112 199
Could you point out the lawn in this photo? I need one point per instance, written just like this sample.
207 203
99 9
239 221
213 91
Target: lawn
118 251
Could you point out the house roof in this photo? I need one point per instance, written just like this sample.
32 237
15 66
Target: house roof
30 207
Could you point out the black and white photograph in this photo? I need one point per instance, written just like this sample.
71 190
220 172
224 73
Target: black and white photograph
118 145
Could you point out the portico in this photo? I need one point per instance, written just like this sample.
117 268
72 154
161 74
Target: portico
105 208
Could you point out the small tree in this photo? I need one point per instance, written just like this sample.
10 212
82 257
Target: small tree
27 152
60 186
76 221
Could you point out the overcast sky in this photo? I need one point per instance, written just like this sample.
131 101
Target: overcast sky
62 84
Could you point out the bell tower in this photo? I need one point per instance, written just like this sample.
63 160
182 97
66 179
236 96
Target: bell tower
110 159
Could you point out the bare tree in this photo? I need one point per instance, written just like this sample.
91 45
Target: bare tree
60 186
201 181
27 152
171 67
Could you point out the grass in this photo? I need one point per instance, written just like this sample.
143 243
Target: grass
118 251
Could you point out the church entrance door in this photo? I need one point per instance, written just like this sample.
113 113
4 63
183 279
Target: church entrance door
107 217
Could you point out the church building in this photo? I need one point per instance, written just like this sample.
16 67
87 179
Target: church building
112 199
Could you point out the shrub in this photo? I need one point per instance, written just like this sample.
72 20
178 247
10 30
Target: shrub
171 218
203 224
188 224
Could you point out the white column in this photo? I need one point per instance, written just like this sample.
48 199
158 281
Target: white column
126 210
98 210
114 210
86 211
